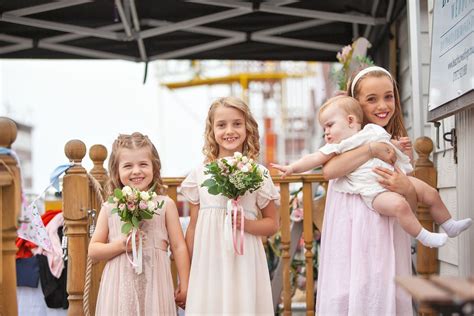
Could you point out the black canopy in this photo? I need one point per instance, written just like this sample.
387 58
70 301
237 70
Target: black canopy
146 30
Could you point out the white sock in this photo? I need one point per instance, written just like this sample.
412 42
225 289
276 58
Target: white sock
454 228
432 240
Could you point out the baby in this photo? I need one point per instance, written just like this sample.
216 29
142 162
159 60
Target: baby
341 117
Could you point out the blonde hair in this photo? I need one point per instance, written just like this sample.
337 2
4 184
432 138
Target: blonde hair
251 145
395 126
343 102
133 141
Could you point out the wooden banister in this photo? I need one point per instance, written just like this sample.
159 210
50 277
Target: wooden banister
10 205
76 198
426 258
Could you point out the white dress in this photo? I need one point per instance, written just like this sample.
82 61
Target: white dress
363 180
221 282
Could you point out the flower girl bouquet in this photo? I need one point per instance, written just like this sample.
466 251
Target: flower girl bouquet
133 206
232 177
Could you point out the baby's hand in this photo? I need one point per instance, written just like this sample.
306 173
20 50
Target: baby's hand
405 143
287 170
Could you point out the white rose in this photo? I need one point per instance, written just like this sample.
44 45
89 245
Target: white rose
151 205
245 159
249 166
244 169
127 190
145 196
250 160
231 162
237 155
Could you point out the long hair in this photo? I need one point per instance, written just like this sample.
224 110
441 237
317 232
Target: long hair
134 141
251 145
395 126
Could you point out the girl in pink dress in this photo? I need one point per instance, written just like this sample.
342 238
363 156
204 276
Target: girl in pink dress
361 250
222 282
134 162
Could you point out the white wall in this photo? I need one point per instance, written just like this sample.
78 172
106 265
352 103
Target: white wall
443 152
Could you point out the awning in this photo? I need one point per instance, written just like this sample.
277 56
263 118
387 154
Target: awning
146 30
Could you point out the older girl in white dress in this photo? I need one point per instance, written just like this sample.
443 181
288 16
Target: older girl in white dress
222 282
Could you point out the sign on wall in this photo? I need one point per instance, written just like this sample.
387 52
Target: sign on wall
452 57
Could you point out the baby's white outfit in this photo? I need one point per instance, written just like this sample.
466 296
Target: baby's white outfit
363 180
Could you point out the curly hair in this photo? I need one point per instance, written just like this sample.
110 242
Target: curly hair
251 146
134 141
395 126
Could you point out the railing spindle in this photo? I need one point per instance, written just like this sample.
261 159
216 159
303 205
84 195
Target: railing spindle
285 245
308 244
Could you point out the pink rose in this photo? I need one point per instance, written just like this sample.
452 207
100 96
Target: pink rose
131 206
143 205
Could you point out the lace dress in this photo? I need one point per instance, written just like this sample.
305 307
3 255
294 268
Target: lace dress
122 291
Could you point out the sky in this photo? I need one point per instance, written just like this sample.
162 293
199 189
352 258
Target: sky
94 101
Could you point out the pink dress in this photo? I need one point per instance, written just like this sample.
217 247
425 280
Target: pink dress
361 253
220 282
122 291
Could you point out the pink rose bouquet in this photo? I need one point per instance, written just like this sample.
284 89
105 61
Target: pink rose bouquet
133 206
232 177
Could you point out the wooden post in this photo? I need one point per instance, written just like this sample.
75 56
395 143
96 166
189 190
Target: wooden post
98 154
285 245
75 203
10 204
308 244
426 258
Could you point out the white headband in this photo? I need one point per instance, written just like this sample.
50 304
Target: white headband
365 71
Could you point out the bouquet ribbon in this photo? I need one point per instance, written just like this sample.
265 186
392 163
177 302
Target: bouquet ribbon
230 232
137 251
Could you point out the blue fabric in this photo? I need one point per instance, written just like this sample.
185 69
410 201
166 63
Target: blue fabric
54 178
5 151
27 272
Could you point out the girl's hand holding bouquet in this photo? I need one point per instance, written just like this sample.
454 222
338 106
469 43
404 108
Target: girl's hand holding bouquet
233 177
134 206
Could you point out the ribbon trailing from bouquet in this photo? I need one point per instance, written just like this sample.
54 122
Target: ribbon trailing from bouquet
231 236
137 250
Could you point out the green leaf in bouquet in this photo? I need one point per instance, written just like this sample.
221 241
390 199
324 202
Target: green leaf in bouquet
111 200
118 193
214 190
160 205
135 221
114 210
208 183
146 215
126 228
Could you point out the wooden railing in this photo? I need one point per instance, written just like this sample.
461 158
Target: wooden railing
427 258
10 204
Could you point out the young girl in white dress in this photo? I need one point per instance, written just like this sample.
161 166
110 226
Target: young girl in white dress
341 117
134 162
222 282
